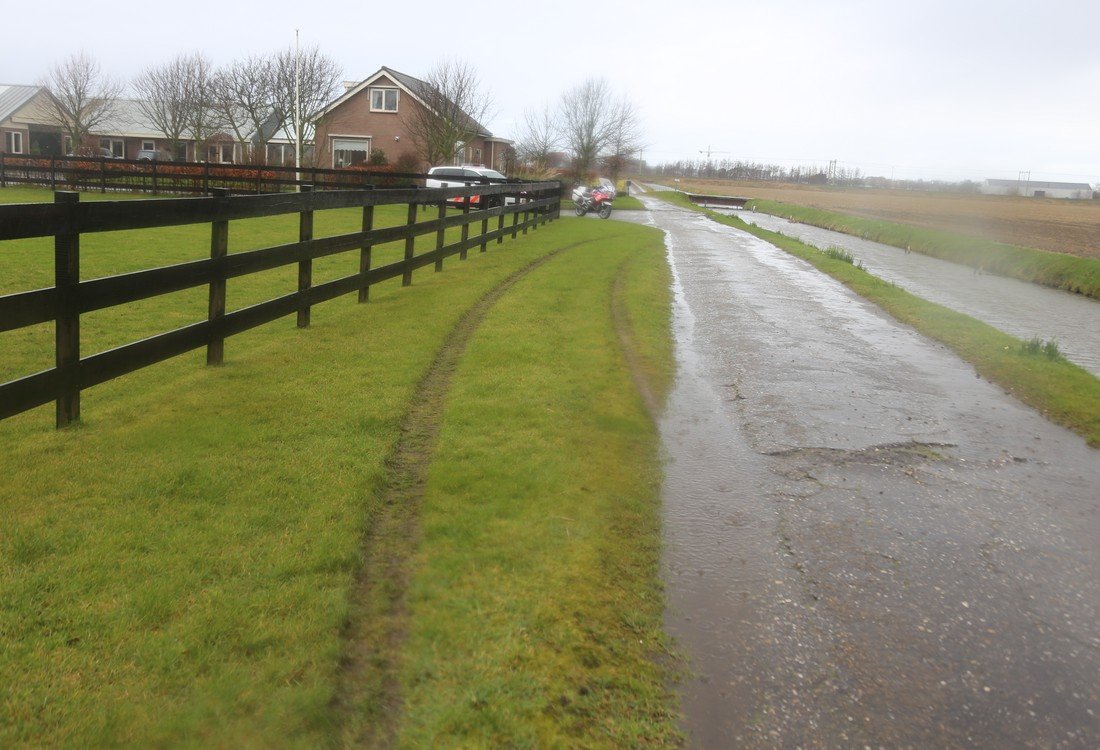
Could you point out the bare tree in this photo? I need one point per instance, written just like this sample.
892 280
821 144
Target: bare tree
203 121
587 121
594 124
454 103
624 137
246 98
81 97
317 77
163 97
539 138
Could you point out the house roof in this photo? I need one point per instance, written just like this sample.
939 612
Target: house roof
13 97
1039 185
418 89
129 121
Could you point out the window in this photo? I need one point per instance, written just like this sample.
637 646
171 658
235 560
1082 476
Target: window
280 154
220 153
67 145
114 145
148 146
13 142
347 152
383 100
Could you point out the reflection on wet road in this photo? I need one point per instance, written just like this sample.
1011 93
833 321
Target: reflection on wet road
865 543
1015 307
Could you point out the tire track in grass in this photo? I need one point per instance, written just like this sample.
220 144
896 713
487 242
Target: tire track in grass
624 330
368 699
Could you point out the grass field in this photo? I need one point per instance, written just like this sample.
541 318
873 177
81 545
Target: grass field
180 569
1059 226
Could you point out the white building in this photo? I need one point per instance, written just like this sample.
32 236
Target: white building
1038 189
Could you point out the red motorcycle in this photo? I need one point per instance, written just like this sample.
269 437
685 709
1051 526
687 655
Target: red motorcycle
592 199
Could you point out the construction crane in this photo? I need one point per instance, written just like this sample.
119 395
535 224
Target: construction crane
710 151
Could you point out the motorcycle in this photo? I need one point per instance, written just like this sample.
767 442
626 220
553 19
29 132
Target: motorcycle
592 199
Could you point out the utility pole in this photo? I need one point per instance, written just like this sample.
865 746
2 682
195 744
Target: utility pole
1019 178
297 110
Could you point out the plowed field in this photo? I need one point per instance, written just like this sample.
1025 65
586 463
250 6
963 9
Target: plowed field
1063 226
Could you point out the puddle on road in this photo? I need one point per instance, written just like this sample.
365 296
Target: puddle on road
720 539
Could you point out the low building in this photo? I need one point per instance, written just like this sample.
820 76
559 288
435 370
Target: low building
24 125
1038 189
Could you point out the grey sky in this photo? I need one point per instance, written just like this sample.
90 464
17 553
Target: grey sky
932 89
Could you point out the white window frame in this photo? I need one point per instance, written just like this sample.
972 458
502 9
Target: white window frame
148 145
337 140
67 145
384 90
13 141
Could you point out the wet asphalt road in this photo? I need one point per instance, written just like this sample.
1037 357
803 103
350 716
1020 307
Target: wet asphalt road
866 544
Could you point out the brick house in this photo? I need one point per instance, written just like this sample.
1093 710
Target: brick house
376 114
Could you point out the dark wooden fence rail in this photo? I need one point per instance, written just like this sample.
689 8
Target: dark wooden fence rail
95 173
67 219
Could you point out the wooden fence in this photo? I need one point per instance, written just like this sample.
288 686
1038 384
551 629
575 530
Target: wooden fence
106 175
66 219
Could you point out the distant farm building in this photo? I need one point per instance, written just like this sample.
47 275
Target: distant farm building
1037 189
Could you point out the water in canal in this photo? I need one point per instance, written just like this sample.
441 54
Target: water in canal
1016 307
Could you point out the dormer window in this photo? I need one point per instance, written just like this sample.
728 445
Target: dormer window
383 100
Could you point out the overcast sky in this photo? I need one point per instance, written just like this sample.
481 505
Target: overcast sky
928 89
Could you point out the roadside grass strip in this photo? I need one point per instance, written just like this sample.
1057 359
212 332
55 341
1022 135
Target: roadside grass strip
624 202
535 612
1058 270
1060 390
177 569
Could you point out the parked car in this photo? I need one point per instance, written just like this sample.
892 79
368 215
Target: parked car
98 153
149 154
438 177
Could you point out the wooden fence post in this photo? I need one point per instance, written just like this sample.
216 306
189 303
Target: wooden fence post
205 177
154 163
305 267
219 247
439 236
515 221
364 252
485 227
410 246
465 227
3 180
53 173
500 222
66 258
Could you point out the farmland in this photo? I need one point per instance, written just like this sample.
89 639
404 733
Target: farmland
1062 226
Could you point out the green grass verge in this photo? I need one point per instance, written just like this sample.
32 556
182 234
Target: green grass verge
624 202
1059 270
176 569
1061 391
536 615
